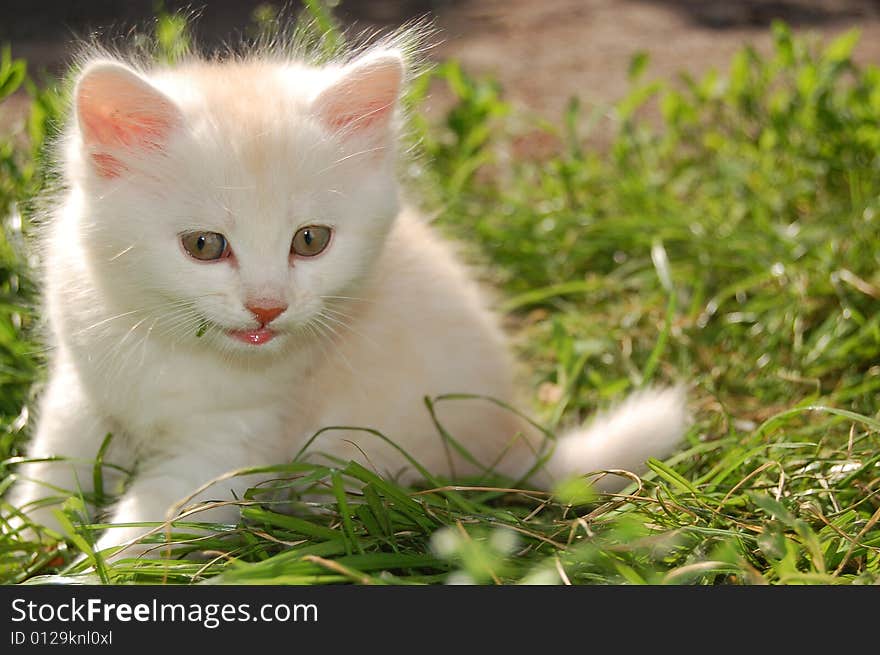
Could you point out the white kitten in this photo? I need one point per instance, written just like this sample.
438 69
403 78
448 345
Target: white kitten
229 272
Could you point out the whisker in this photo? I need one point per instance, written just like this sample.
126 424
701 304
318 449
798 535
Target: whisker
145 309
354 298
337 351
347 326
146 340
106 320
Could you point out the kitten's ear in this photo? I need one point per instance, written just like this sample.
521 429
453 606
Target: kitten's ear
361 101
119 112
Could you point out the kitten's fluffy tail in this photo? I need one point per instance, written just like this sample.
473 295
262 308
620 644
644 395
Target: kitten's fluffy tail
648 423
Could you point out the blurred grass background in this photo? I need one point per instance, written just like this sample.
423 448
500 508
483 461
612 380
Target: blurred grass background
718 229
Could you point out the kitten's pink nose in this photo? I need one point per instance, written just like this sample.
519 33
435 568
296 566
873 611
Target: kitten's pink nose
266 313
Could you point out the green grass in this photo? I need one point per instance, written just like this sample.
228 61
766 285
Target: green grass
731 244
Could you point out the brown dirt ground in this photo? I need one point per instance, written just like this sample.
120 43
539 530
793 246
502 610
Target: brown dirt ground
544 52
541 52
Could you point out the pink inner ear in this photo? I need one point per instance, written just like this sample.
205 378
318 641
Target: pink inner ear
107 165
118 111
141 133
109 126
367 115
365 96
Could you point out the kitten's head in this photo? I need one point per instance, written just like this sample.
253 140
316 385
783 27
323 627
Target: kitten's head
231 204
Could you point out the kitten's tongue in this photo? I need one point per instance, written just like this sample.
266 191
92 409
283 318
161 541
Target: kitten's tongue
254 337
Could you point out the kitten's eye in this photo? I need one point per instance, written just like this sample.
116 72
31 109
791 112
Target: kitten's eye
310 240
206 246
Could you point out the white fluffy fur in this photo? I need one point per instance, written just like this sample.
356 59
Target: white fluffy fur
384 317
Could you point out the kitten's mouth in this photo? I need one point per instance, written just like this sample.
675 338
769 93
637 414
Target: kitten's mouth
254 337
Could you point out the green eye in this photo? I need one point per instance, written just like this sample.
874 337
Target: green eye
310 240
206 246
